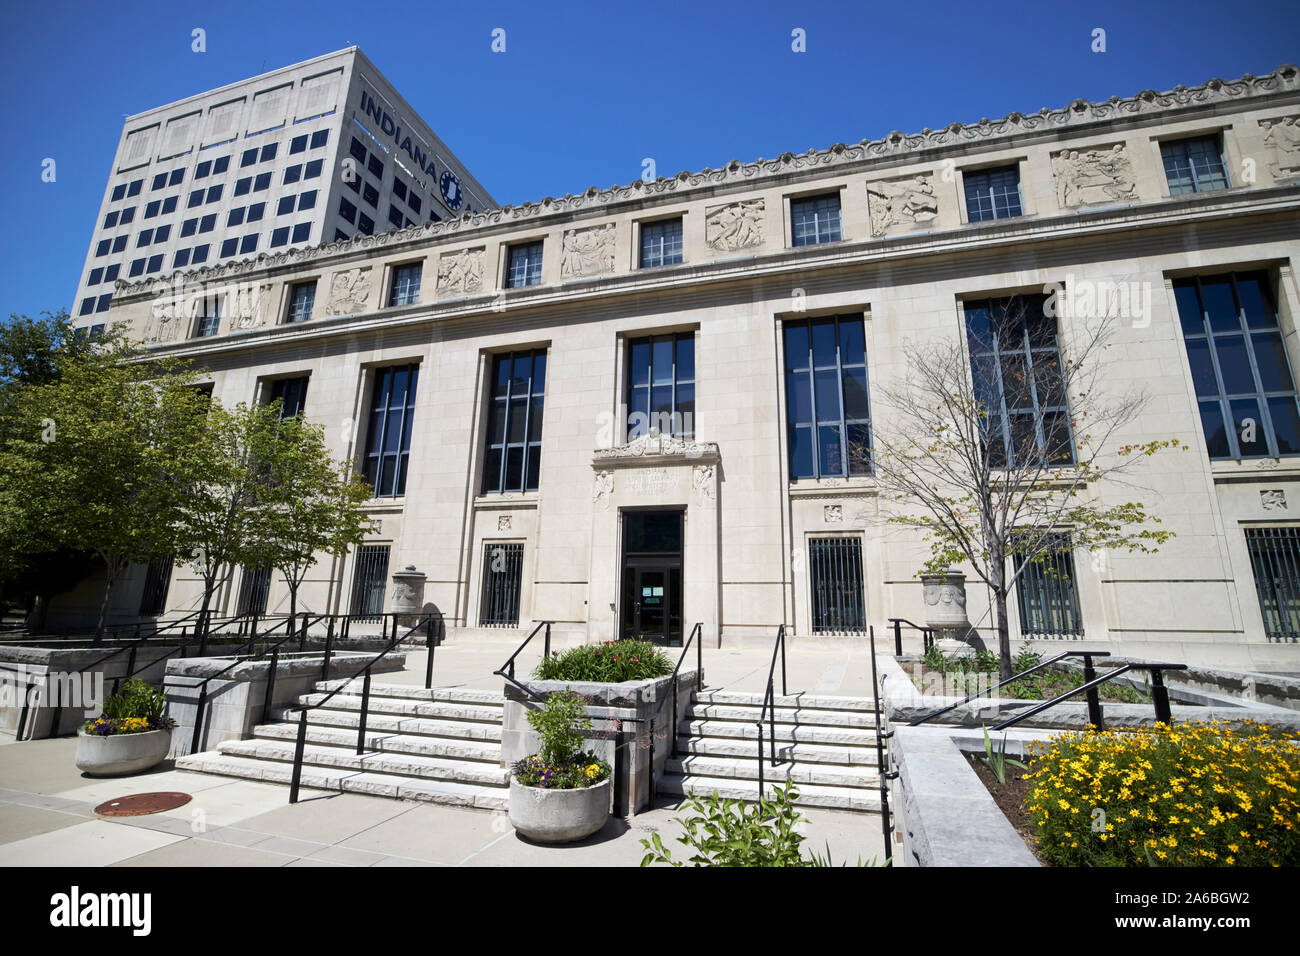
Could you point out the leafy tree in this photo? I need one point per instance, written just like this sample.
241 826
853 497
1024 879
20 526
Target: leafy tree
311 504
993 453
94 448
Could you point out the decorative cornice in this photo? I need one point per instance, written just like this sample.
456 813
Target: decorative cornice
1078 113
656 449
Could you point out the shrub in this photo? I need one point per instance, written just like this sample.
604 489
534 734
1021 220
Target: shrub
734 833
561 764
612 662
134 709
1195 794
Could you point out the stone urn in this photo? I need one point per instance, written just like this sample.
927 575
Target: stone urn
558 816
408 595
120 754
944 593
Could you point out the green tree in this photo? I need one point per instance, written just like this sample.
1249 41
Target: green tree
992 462
311 504
95 451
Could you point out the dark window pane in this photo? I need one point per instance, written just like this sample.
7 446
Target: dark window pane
801 453
1216 295
1249 426
827 394
798 397
796 346
1286 425
823 338
1270 358
514 469
1198 354
1234 366
1259 311
855 393
853 348
830 450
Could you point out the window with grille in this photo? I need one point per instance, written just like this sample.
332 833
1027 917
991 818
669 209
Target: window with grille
388 443
835 575
1016 370
291 393
502 574
1275 562
661 243
513 458
254 589
661 385
826 397
157 579
1244 388
525 265
370 581
301 301
1194 165
1046 592
992 194
815 220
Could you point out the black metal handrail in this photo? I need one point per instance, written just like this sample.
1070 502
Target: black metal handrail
1094 704
274 650
507 670
769 704
696 631
882 768
1159 694
300 745
927 634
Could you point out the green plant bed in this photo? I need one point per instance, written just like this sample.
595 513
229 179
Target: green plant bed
612 662
963 674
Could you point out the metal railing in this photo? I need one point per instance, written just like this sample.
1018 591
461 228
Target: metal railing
769 704
1094 703
426 622
696 632
507 670
927 634
1159 694
882 768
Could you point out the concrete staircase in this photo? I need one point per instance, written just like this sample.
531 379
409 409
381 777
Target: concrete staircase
441 746
826 745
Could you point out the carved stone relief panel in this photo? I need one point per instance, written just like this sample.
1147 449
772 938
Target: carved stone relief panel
349 291
901 205
461 272
1087 176
588 252
737 225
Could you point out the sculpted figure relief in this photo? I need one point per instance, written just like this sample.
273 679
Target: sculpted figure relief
901 204
738 225
163 319
1282 136
1089 176
349 291
461 273
588 252
252 305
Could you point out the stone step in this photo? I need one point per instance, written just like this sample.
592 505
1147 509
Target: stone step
784 715
738 768
802 701
383 762
461 695
800 753
394 723
798 733
406 707
338 780
810 795
487 752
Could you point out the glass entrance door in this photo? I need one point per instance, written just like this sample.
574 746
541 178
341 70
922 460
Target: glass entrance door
652 576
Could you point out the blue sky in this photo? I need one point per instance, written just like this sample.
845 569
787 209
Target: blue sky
584 91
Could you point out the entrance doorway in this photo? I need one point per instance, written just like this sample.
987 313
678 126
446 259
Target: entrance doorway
652 576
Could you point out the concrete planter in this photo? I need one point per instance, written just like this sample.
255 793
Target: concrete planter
558 816
121 754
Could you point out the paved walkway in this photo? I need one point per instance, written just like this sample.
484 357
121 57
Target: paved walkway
47 818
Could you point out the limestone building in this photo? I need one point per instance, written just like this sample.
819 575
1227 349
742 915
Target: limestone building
493 375
315 152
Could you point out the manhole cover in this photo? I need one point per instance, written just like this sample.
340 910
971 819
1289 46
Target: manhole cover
141 803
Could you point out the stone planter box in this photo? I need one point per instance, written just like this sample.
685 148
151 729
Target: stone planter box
121 754
558 816
637 726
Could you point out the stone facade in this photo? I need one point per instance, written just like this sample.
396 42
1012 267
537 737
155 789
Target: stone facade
1096 209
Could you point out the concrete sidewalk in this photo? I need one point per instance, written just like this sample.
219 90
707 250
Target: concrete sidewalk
47 819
